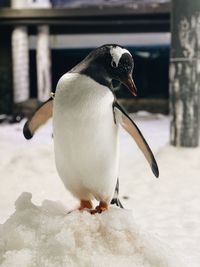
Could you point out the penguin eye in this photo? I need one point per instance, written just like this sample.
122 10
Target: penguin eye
113 64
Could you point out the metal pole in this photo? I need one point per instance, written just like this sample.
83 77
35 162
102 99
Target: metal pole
185 73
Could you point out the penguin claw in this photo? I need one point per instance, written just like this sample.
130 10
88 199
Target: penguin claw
92 212
103 206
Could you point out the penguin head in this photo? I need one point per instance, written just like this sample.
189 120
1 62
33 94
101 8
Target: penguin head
111 62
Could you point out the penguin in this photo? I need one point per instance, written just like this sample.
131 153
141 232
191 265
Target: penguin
86 119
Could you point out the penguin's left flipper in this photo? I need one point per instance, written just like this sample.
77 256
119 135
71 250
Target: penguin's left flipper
128 124
40 117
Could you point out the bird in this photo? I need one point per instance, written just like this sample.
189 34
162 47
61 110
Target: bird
86 119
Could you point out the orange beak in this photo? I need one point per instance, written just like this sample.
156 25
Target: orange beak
129 83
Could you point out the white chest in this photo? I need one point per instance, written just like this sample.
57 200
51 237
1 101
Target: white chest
82 104
85 135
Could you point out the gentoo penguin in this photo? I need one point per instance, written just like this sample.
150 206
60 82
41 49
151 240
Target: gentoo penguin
86 118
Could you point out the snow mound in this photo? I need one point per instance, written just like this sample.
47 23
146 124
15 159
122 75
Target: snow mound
41 236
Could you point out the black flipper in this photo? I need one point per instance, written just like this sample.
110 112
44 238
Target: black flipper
129 125
115 200
41 116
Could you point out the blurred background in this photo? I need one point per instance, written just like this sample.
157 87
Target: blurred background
44 39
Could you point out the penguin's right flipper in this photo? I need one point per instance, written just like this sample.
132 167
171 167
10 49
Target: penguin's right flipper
128 124
40 117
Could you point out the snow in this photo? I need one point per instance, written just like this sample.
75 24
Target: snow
47 236
159 227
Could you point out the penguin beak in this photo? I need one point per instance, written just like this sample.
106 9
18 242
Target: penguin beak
129 83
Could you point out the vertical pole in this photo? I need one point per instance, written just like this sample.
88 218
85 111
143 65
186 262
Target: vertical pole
185 73
20 56
43 54
43 63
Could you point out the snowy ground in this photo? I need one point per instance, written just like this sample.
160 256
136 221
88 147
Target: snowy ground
160 226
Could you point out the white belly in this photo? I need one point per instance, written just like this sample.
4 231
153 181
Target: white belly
85 137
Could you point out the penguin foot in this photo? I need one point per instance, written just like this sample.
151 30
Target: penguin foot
85 204
103 206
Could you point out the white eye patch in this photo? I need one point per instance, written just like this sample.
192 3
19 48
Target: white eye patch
116 54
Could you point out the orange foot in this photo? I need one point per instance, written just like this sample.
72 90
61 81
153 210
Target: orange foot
85 204
99 209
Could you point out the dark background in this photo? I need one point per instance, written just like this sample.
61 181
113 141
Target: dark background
150 73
